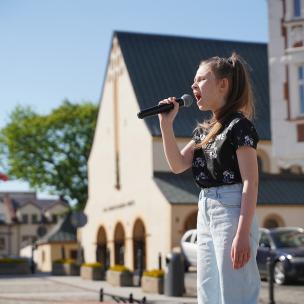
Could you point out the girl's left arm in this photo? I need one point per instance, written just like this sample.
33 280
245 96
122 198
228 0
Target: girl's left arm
247 160
248 164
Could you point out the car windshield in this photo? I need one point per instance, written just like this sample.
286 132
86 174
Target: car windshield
289 239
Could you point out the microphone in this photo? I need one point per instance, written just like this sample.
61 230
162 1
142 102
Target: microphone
184 101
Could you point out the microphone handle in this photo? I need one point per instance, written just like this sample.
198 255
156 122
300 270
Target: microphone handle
166 107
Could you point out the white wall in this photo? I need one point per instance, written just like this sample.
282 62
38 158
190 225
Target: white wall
136 172
286 149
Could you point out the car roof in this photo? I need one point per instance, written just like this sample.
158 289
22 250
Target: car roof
278 229
188 232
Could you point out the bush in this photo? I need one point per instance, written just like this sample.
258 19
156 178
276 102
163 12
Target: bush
13 260
92 265
119 268
155 273
65 261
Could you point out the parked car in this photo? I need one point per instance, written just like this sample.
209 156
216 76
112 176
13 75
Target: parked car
285 245
189 248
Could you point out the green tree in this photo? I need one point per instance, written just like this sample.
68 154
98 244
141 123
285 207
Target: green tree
51 151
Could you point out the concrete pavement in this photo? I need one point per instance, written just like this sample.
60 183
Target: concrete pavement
48 289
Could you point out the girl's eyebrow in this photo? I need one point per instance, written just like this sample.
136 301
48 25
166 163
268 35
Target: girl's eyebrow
199 76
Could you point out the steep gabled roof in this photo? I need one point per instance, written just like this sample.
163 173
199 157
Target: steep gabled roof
161 66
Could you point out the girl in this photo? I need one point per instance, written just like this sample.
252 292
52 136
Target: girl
222 154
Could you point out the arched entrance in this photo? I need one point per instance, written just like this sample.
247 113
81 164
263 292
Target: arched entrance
190 222
139 245
101 248
273 221
119 245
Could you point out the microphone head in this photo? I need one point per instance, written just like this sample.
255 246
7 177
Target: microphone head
187 100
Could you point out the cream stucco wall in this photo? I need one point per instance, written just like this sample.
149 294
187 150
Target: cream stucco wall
47 253
180 213
139 196
44 257
291 215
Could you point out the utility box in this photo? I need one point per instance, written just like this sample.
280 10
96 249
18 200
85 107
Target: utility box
174 275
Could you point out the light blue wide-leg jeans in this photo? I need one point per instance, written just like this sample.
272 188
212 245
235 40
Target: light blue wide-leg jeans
217 221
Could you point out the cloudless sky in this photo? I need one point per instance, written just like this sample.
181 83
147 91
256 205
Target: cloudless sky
56 49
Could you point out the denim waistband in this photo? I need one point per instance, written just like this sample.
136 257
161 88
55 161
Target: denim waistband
222 189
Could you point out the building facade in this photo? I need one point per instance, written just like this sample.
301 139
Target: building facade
286 74
24 218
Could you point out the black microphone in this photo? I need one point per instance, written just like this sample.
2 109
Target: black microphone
184 101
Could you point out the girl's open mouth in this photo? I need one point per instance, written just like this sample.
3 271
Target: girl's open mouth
197 96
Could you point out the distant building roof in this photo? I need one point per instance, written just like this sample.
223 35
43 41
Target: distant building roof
63 231
276 189
20 199
161 66
10 202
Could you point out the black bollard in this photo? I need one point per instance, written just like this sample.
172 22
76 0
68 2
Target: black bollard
143 300
159 261
101 295
108 255
270 269
121 255
131 298
140 264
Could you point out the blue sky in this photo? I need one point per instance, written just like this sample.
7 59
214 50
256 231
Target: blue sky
56 49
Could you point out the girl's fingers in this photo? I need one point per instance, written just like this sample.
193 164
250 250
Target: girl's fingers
241 259
232 254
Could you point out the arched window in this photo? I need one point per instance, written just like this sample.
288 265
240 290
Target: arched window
139 245
119 244
271 223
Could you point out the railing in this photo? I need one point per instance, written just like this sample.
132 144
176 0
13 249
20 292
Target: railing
120 299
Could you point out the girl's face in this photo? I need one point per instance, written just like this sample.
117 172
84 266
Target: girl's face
208 91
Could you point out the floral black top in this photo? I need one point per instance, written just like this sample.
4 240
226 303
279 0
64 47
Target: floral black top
217 164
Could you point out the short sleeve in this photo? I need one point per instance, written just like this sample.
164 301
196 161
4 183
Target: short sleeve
196 136
243 133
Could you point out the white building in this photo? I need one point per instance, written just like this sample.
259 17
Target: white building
286 73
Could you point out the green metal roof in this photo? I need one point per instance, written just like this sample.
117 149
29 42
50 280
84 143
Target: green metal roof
160 66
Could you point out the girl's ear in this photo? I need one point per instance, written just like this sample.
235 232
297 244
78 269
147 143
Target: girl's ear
224 85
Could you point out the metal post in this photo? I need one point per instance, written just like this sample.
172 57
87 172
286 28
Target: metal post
108 258
139 260
101 295
270 268
131 298
159 261
62 253
121 255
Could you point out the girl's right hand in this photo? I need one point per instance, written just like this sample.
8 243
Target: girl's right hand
167 118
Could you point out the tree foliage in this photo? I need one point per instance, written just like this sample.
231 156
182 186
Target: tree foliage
51 151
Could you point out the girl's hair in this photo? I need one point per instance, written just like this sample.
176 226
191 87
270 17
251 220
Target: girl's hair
239 97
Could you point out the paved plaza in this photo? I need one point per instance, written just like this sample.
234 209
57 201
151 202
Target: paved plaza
46 289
